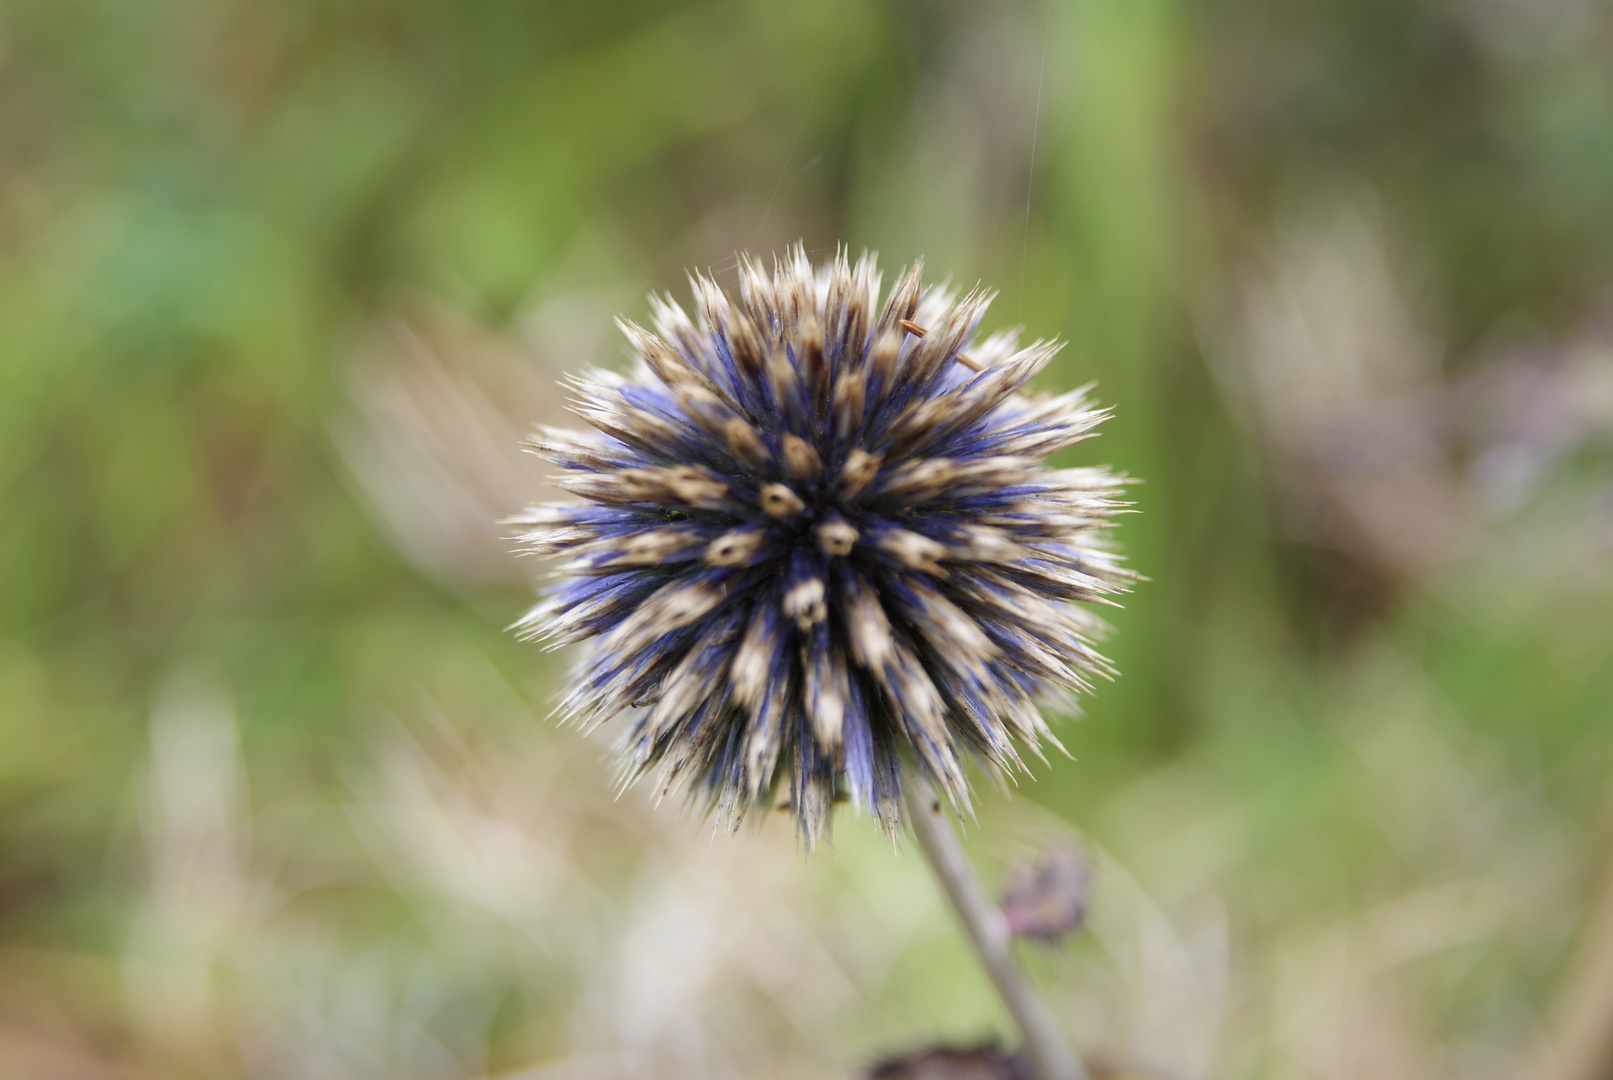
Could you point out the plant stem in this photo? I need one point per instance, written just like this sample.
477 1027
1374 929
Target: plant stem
1049 1054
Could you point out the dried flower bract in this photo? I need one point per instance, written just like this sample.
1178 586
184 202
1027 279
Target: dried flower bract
813 540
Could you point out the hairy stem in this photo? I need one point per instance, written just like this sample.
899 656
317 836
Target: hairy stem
1044 1045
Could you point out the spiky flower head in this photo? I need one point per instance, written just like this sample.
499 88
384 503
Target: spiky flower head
817 539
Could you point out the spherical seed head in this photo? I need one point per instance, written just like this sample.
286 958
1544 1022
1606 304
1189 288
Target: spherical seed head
816 536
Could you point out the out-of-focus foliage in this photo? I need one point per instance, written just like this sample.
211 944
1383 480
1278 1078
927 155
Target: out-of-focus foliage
281 282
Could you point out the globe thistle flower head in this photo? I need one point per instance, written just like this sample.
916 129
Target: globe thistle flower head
815 538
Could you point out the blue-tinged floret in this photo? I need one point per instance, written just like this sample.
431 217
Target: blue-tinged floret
816 538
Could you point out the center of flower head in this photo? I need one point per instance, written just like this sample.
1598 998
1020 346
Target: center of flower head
815 534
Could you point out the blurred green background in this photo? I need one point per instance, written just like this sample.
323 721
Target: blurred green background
283 282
